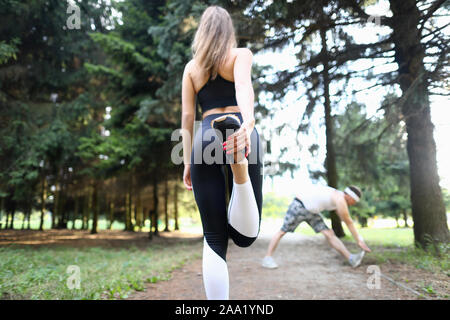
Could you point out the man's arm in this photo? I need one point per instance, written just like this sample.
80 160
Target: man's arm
344 215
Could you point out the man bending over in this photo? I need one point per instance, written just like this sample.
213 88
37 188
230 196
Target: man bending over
307 206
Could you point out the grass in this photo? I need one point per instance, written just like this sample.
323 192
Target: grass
397 245
42 273
417 257
387 237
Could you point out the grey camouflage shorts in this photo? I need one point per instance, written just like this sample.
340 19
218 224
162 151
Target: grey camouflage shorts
297 213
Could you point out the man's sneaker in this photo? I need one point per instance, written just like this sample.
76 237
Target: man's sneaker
269 263
355 259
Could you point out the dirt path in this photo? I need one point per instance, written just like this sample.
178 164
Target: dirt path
308 269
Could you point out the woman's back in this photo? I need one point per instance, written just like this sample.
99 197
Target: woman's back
200 78
216 95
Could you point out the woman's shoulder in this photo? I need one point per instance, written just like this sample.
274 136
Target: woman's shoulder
242 50
189 65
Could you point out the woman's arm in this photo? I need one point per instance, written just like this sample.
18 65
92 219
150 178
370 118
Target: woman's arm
245 98
187 122
187 113
245 95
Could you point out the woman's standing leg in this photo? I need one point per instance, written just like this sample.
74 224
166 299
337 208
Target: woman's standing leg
208 182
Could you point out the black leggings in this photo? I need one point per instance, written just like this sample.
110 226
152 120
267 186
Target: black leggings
209 182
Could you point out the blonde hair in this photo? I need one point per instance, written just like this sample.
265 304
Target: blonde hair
213 39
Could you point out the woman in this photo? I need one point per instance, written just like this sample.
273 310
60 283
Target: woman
220 76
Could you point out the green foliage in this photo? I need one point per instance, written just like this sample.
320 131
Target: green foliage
139 124
8 50
275 206
372 154
44 105
100 70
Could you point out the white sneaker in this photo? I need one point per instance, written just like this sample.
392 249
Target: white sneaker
269 263
355 259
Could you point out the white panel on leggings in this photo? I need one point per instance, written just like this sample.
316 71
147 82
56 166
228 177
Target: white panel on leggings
243 213
215 274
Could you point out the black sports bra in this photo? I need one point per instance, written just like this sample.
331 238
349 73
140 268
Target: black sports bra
217 93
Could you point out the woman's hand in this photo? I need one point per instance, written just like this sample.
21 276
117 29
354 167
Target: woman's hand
240 139
187 176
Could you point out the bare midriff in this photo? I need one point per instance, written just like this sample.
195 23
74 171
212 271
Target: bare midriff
221 110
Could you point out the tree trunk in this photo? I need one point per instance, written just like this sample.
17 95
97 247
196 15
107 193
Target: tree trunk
24 218
2 206
27 214
8 214
166 202
6 219
405 217
151 220
128 205
95 207
363 221
88 206
127 213
133 212
132 201
29 210
155 208
55 203
83 216
43 199
139 213
75 210
428 209
175 192
11 225
332 176
111 214
11 210
144 216
62 213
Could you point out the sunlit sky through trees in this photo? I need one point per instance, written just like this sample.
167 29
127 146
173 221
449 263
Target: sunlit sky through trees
295 102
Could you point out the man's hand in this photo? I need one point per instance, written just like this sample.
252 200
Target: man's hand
363 245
